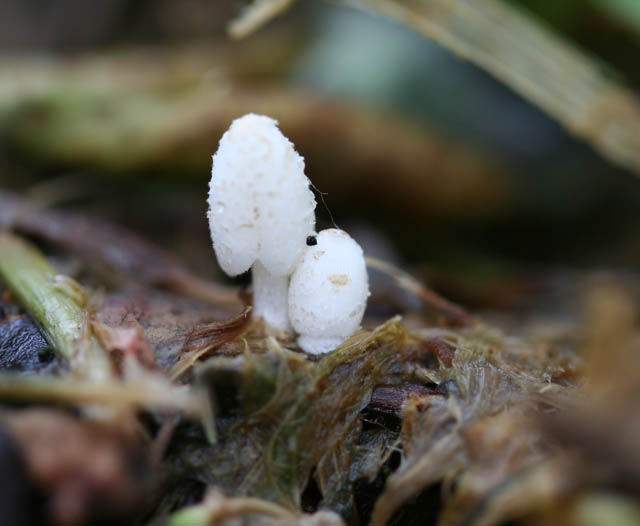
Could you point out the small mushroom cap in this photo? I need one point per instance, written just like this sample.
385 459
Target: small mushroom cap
260 204
328 291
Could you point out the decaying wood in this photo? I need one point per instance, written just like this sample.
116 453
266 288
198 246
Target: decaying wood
392 414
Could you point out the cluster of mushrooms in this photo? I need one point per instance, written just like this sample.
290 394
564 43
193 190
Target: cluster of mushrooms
262 217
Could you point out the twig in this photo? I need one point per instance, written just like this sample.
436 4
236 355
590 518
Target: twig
254 16
407 282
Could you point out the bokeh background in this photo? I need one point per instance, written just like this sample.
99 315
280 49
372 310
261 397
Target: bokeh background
115 107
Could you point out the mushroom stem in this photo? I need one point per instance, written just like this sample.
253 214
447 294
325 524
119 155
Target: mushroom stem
270 297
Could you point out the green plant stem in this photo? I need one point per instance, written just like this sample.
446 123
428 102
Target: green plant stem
47 297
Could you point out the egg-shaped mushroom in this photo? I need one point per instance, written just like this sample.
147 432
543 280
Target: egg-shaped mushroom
261 211
328 292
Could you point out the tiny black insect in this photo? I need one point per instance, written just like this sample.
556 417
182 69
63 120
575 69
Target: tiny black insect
312 241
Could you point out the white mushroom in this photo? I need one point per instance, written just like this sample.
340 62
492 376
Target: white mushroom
328 292
261 211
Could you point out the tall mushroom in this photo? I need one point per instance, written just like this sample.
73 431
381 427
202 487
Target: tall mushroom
328 292
261 211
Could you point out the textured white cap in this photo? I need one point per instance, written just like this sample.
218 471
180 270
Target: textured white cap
260 204
328 292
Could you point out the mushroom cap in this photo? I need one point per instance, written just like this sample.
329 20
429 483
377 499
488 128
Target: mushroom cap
260 204
329 289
